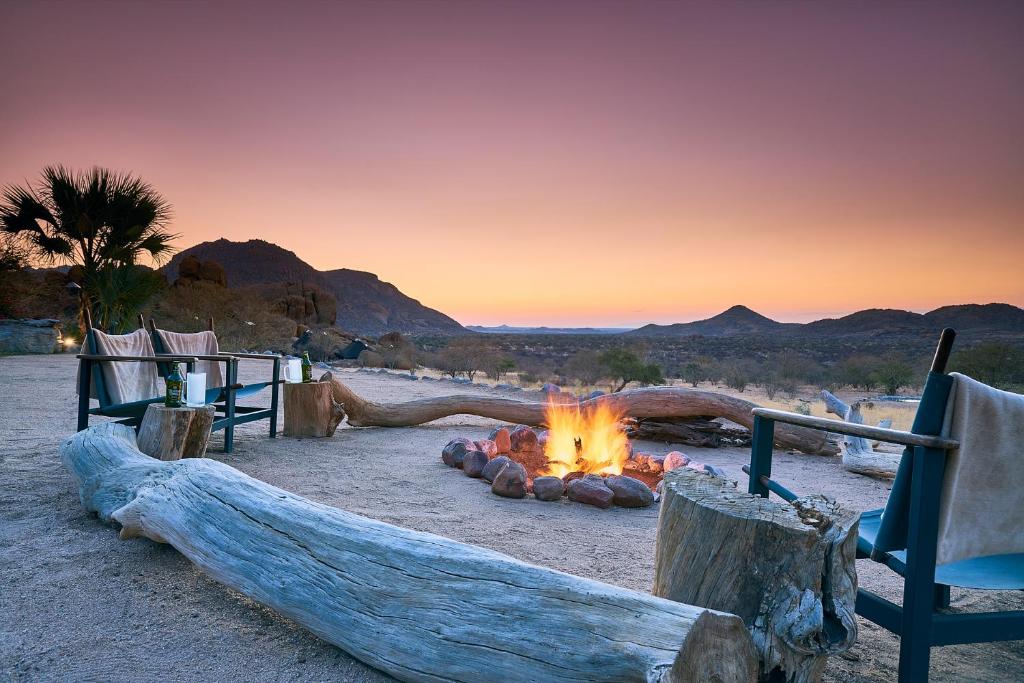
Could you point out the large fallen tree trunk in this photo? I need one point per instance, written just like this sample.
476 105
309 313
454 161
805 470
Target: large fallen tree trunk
788 569
417 606
638 403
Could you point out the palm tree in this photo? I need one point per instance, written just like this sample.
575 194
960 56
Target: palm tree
100 220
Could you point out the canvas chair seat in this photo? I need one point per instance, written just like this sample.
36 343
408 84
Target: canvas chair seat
991 572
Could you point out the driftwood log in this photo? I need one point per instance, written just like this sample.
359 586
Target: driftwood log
701 432
787 569
417 606
175 433
310 410
859 454
656 402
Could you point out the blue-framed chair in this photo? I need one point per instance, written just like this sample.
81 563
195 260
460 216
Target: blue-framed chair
96 382
224 396
904 534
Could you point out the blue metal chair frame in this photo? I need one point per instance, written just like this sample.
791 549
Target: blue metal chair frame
904 534
223 398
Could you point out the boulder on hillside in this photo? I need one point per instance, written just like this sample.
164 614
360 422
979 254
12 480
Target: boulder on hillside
191 269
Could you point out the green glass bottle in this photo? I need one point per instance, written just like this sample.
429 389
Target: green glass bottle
175 382
307 368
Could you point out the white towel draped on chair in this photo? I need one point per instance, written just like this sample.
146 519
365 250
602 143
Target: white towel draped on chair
982 509
196 344
126 382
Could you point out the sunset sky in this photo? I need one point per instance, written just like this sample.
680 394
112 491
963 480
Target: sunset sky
591 163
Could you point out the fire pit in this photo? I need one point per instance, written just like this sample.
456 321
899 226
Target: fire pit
583 455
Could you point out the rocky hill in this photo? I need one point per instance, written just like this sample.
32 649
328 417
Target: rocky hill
364 304
741 321
737 320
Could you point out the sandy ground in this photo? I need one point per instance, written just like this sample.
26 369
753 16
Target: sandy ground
77 604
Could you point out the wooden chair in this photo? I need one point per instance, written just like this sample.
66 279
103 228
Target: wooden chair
224 398
903 535
91 380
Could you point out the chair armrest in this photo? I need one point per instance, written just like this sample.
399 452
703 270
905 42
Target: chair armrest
252 356
853 429
150 359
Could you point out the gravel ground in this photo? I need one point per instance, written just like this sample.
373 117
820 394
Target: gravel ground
77 604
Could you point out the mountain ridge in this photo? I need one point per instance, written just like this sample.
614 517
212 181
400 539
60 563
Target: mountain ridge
365 303
739 320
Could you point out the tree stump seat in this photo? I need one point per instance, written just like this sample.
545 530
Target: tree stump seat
175 433
310 410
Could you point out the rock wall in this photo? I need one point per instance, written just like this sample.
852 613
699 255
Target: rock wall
30 336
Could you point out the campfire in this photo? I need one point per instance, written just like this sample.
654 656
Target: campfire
584 455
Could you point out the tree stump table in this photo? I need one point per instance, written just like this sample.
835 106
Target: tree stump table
310 410
786 568
175 433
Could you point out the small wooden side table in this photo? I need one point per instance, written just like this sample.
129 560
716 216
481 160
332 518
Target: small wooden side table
310 410
175 433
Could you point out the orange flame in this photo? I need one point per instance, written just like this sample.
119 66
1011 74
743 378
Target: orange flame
588 441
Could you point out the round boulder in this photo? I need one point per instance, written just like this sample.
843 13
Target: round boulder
591 490
473 463
501 440
455 451
675 460
487 446
629 492
510 482
523 439
548 488
491 469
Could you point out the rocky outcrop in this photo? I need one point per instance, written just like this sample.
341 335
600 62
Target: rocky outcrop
362 303
30 336
191 269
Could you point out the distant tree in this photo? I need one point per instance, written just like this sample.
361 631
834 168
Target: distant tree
585 366
99 220
497 365
859 372
893 374
697 370
736 374
994 363
624 366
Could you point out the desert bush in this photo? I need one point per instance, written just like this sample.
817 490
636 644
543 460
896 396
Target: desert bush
994 363
397 352
737 374
371 359
584 366
859 372
697 370
892 374
625 365
242 319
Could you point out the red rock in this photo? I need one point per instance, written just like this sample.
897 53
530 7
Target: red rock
488 447
675 460
523 439
502 441
511 481
591 490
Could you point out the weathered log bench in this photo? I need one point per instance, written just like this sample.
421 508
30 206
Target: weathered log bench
417 606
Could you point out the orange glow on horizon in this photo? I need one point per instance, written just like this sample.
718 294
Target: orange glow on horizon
509 163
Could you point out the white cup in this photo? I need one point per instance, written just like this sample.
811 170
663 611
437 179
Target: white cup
195 389
293 371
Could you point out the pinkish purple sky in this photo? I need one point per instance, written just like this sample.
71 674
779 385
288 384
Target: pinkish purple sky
560 163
